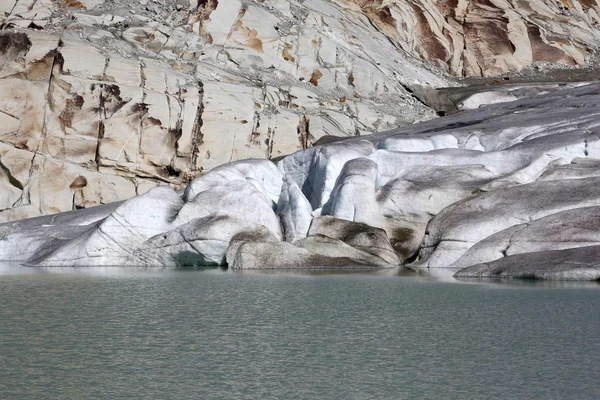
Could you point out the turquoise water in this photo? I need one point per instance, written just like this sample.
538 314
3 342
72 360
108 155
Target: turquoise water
172 334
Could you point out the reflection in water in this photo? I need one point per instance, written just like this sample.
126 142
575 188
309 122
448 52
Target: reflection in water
532 283
434 274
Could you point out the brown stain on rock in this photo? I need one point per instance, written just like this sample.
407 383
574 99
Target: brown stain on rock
21 144
380 15
42 69
385 16
78 183
316 75
303 131
110 99
544 52
432 49
74 4
587 4
246 37
151 121
287 56
144 36
72 106
203 10
567 3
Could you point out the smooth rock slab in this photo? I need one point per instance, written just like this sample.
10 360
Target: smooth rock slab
283 255
460 226
571 264
563 230
373 241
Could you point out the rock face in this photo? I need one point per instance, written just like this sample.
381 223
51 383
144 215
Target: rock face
489 37
511 190
102 101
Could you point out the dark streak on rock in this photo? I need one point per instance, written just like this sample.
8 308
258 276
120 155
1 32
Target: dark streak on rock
139 108
197 136
303 131
100 137
11 179
154 121
16 42
401 239
72 105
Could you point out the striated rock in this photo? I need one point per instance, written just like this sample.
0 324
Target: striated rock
489 37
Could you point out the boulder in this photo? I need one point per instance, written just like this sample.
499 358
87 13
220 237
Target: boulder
365 238
283 255
236 197
111 240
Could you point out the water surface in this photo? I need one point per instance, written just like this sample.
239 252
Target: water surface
172 334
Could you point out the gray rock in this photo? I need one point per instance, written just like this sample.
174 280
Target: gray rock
460 226
564 230
571 264
370 240
283 255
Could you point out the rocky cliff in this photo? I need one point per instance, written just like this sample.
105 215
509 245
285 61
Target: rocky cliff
489 37
103 100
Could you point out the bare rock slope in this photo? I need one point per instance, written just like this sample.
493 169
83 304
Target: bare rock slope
489 37
103 100
510 190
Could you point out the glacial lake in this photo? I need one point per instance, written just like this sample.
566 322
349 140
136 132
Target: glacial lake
114 333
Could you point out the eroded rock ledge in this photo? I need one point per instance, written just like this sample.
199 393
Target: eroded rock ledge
509 190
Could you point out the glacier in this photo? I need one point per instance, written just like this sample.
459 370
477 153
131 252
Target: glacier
508 190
